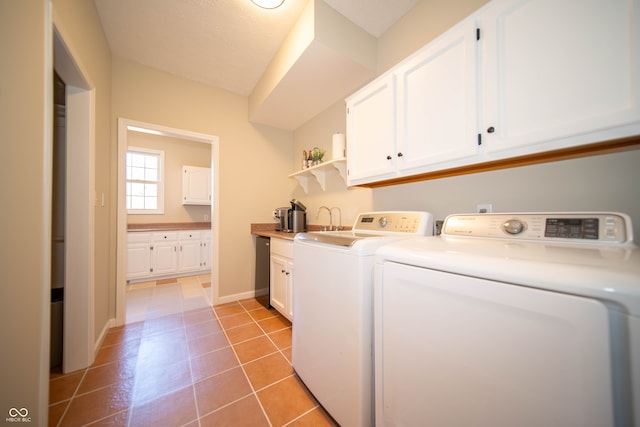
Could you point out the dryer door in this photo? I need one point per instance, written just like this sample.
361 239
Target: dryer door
458 351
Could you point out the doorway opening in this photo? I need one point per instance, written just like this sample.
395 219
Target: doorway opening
78 332
126 130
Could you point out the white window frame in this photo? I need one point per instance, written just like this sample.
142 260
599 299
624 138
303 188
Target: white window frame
160 182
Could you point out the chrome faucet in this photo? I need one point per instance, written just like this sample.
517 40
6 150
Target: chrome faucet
339 226
330 219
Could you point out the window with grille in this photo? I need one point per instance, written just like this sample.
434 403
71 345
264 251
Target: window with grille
145 188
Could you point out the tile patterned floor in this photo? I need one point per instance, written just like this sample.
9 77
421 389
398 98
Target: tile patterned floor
180 362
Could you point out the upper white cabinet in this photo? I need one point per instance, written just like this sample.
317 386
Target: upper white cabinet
436 98
559 74
421 115
196 185
371 128
518 77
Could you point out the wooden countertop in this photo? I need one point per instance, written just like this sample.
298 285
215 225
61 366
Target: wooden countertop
269 230
169 226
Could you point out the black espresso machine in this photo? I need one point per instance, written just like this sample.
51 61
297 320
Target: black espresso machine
293 219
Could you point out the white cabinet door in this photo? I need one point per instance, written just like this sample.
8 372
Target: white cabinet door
164 256
437 103
371 149
288 313
205 251
196 185
189 251
138 259
559 74
278 295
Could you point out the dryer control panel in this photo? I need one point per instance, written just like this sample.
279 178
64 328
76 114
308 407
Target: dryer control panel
582 227
410 222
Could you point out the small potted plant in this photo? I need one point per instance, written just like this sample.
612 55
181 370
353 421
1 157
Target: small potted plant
316 155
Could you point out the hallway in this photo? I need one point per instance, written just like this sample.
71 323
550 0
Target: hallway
181 363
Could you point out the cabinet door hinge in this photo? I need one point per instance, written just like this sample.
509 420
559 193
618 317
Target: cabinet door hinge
479 139
477 33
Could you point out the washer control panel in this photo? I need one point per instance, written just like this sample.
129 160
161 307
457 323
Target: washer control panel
418 223
583 227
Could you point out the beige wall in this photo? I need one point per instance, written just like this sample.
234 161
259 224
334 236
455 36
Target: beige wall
318 132
252 158
177 152
78 24
24 173
606 182
26 34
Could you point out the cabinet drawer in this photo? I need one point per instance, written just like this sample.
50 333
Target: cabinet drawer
282 247
165 237
138 237
189 235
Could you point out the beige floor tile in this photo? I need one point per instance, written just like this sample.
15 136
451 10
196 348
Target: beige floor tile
174 409
235 320
220 390
274 324
111 373
250 304
118 420
286 400
318 417
207 344
228 309
267 370
199 316
63 388
213 363
254 349
244 333
201 329
262 313
155 381
243 413
282 338
98 404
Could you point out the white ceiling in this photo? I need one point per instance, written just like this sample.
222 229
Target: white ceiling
222 43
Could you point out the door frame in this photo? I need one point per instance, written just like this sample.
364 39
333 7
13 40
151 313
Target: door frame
124 127
79 283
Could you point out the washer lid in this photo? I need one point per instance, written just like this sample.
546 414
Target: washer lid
339 238
608 273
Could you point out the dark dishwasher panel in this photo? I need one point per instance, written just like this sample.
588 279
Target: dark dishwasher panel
263 255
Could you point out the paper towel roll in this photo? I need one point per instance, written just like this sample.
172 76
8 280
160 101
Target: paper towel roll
338 146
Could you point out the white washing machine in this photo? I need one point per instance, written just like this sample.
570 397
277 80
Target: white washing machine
333 310
510 320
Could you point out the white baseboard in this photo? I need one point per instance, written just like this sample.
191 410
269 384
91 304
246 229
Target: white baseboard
110 324
237 297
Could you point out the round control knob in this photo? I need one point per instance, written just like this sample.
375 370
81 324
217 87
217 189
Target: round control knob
513 226
382 222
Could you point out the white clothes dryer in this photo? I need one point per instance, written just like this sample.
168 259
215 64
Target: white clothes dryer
520 319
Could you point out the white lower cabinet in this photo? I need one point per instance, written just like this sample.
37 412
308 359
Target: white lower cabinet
138 256
189 251
165 254
281 277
